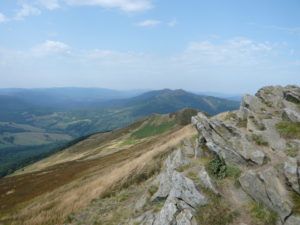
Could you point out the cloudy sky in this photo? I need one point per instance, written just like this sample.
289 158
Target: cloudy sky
228 46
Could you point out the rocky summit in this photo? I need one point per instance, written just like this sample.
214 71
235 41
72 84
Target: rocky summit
248 159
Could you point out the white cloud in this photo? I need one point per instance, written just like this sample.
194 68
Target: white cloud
234 52
51 47
26 10
124 5
148 23
3 18
238 63
290 30
172 23
49 4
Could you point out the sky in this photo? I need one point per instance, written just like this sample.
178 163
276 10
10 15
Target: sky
228 46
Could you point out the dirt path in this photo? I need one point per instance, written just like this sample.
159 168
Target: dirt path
237 199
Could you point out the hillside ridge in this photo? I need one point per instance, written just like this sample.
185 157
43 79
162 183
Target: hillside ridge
242 168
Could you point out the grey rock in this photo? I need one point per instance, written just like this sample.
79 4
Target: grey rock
292 93
206 180
226 153
164 179
139 205
177 160
227 141
293 220
252 103
147 218
271 135
188 147
185 189
271 95
167 214
185 217
291 115
257 157
291 172
266 187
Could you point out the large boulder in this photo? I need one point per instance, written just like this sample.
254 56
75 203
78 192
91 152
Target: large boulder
184 188
179 194
164 180
265 186
227 141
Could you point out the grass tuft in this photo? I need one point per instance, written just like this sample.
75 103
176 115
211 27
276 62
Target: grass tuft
259 140
242 123
296 203
216 212
262 215
231 116
289 129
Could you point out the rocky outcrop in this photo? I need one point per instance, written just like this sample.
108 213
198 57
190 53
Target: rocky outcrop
179 194
248 159
265 186
227 141
249 139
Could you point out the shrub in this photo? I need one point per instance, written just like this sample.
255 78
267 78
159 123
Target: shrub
217 168
220 170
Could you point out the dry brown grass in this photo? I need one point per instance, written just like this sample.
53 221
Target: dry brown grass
54 207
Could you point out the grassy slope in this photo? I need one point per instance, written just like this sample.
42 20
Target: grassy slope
56 186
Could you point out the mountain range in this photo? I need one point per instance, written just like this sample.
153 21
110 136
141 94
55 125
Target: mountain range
185 167
38 122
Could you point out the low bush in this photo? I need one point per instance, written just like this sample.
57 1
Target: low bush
218 169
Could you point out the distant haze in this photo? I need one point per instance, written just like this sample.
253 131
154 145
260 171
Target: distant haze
201 46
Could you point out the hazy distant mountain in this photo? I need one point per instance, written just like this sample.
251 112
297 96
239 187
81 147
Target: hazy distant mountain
166 101
34 121
232 97
68 97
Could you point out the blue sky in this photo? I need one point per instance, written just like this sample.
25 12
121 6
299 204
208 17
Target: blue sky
228 46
